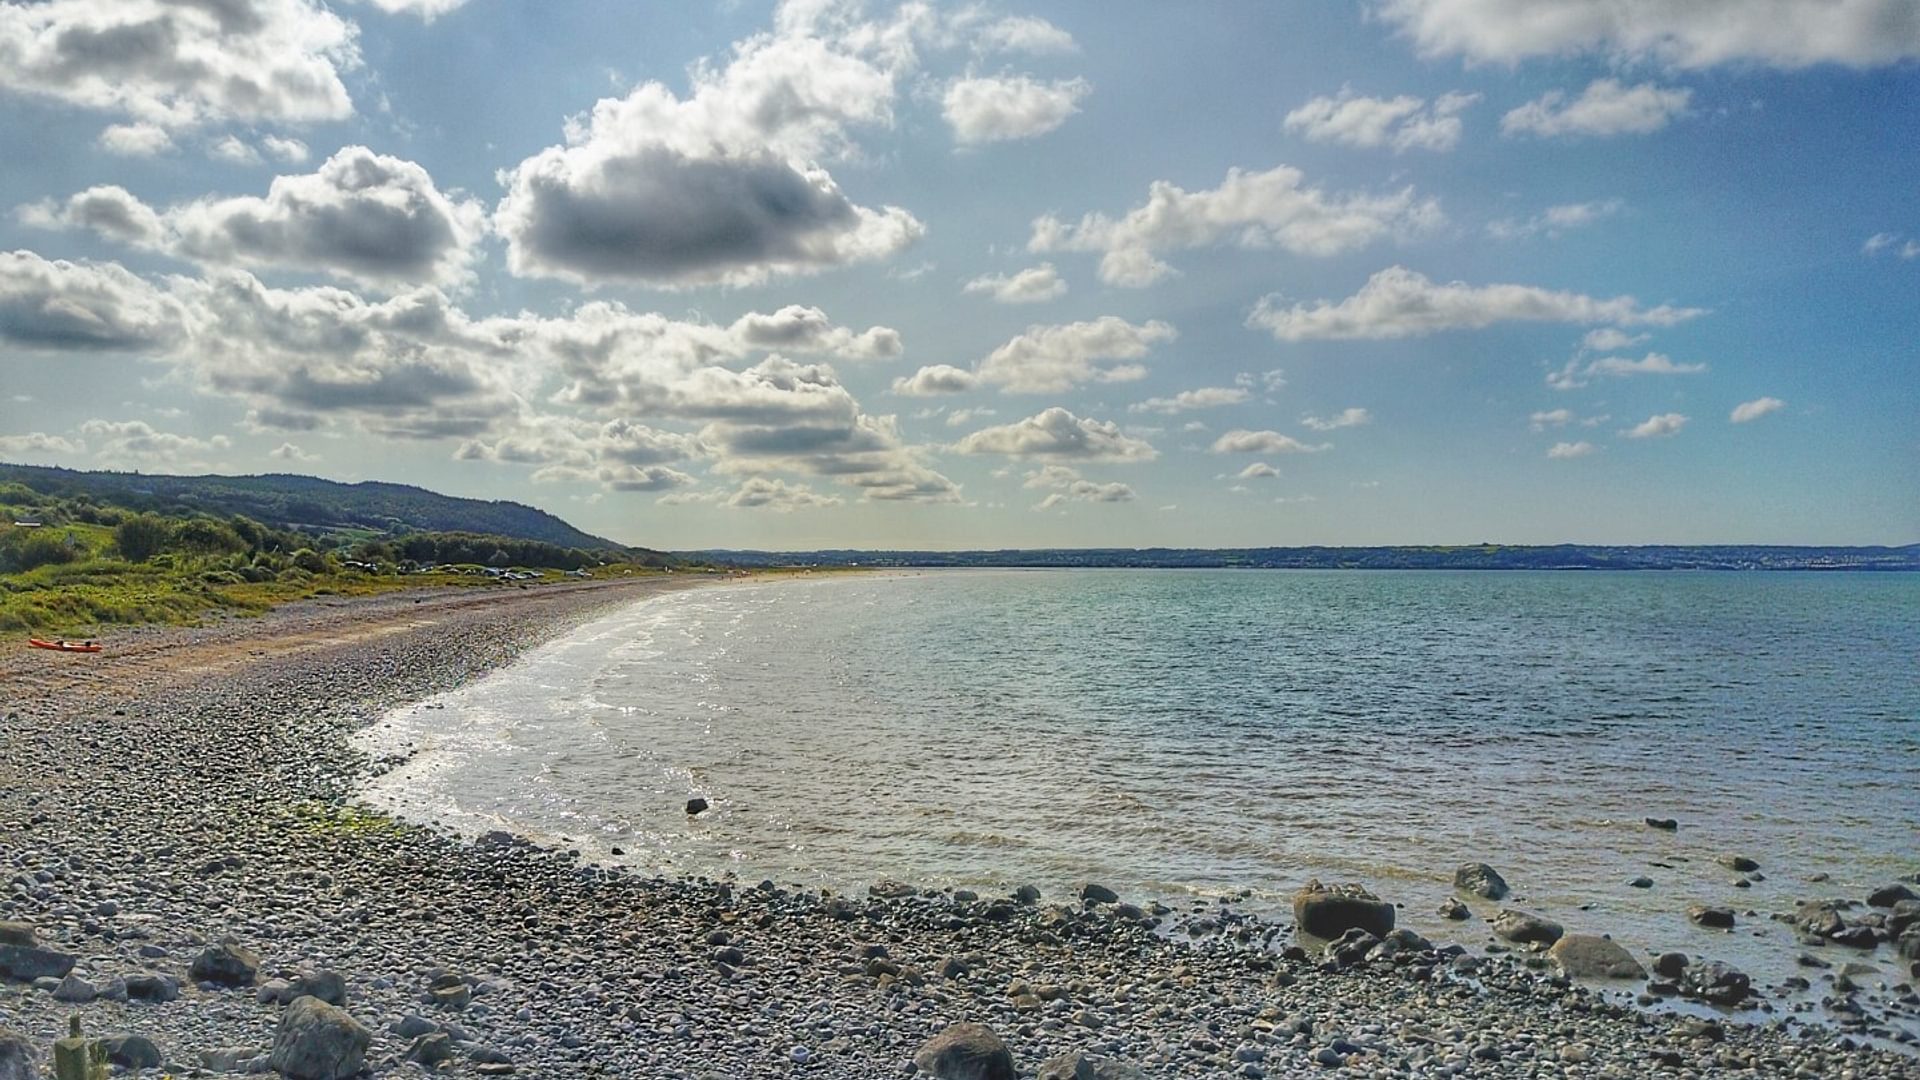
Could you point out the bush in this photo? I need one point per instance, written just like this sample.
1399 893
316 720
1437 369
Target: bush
311 561
24 550
141 537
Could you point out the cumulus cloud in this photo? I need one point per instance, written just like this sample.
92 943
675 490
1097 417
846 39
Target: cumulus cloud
363 217
724 185
425 10
1544 419
1049 359
1064 485
1272 209
1206 397
1554 220
1893 242
136 442
983 109
1344 419
1748 411
795 328
1657 427
39 444
287 451
1403 123
1398 303
935 379
57 306
1259 470
135 140
1562 450
1576 374
1242 441
1787 34
170 65
1611 339
1014 33
1057 433
1034 285
1606 107
760 493
286 149
620 454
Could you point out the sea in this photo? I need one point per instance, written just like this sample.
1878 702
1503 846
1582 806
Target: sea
1188 736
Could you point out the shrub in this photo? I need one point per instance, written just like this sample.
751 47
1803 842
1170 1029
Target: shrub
141 537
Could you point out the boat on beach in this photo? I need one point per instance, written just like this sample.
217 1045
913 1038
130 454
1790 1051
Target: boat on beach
63 645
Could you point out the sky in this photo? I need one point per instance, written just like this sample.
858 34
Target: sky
825 273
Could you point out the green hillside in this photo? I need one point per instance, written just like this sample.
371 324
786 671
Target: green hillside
309 503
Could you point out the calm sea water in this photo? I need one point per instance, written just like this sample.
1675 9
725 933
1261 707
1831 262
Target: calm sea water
1175 733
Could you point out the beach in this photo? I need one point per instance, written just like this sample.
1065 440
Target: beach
184 805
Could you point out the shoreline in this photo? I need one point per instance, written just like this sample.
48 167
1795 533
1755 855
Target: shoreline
218 801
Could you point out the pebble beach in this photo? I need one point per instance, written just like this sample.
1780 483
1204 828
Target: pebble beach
184 867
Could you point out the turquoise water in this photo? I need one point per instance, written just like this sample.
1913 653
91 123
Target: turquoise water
1179 733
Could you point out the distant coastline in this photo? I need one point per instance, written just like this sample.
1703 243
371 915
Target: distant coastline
1759 557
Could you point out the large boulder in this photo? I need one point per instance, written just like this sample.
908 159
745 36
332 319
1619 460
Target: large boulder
1890 895
131 1051
18 1060
1075 1065
26 963
965 1052
1481 880
1589 956
1710 916
1739 863
1524 928
318 1042
1328 911
150 987
1715 983
225 964
17 933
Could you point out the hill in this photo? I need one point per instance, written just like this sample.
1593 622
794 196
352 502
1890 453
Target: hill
310 503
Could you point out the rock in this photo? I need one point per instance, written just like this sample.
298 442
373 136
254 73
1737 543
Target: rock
131 1051
232 1059
18 1059
431 1048
1328 912
1587 956
318 1042
275 992
1908 944
891 890
1716 918
75 990
156 988
328 986
965 1052
26 963
1026 894
1890 895
1098 894
1075 1065
1523 928
1351 947
1665 824
450 992
1819 918
1642 882
225 964
696 805
411 1026
1716 983
1669 965
1739 863
18 933
1453 909
1480 880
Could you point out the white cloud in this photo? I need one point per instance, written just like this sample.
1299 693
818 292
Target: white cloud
287 451
1049 359
234 151
722 186
963 417
1787 34
1575 375
1259 470
1067 485
1398 303
760 493
1562 450
135 442
362 216
57 306
289 150
1022 33
1609 339
808 330
425 10
135 140
1035 284
983 109
1554 220
1345 419
1656 427
1606 107
39 444
1242 441
1886 241
1404 122
1748 411
172 65
1206 397
935 379
1541 421
1057 433
1271 209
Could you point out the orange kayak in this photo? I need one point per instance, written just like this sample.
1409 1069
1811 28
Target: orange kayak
64 645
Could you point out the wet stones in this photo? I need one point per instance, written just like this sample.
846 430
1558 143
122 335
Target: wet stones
965 1052
1098 894
696 806
1452 909
1670 965
316 1041
1588 956
1739 864
1479 879
1715 983
1710 916
1330 911
1890 895
1666 824
1524 928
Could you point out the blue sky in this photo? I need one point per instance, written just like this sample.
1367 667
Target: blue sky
953 275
